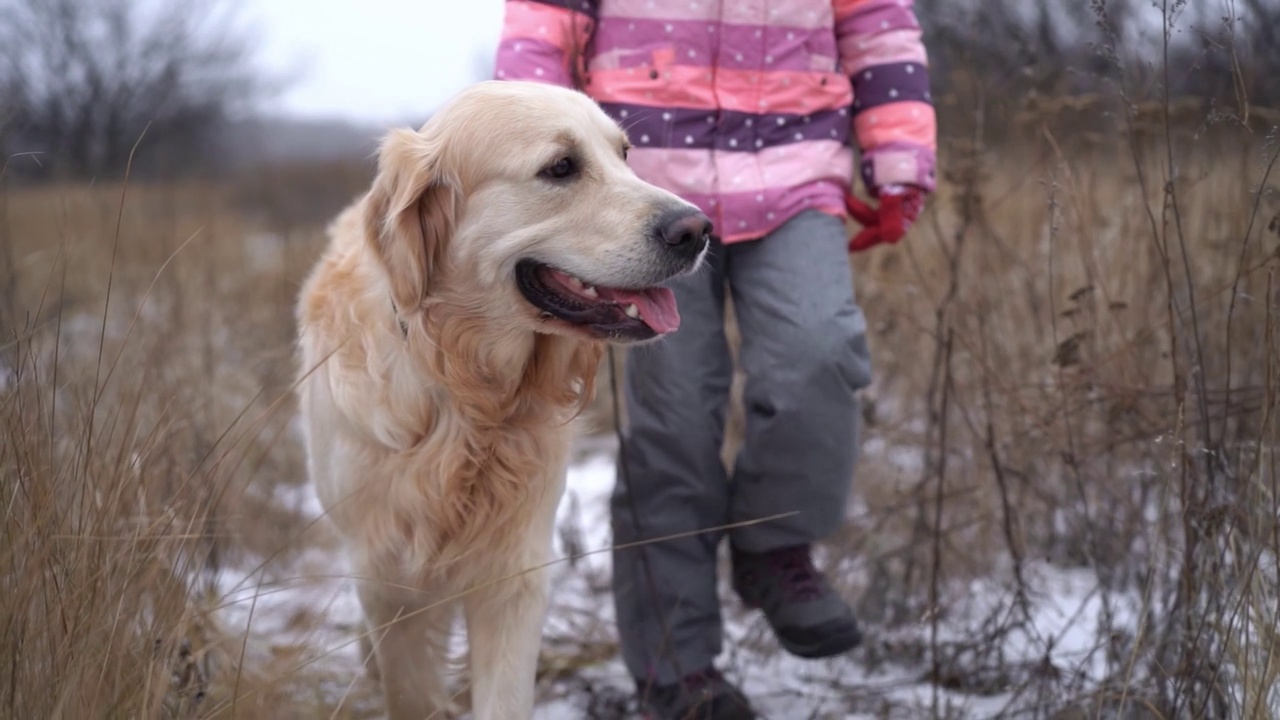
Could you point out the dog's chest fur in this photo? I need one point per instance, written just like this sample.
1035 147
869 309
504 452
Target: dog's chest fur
485 462
468 489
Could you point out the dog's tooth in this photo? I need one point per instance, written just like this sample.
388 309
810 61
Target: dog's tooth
590 291
633 311
575 282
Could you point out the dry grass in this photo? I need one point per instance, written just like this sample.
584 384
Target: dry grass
1075 351
1092 378
138 437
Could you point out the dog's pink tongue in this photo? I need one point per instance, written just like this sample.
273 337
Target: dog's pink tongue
657 307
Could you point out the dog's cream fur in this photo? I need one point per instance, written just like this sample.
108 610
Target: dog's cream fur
437 402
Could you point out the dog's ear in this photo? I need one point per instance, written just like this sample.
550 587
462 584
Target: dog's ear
409 215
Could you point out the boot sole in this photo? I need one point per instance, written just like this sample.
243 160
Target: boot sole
651 715
830 646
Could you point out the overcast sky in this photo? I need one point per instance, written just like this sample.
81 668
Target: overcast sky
373 60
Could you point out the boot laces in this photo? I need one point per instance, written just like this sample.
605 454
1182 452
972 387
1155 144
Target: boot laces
800 579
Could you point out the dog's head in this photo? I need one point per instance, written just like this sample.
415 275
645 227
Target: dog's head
516 201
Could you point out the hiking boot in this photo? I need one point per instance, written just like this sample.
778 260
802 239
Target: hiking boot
810 619
704 695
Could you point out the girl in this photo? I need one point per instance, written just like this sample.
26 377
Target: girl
752 110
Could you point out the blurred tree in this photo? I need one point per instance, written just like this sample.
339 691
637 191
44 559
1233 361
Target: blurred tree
995 54
81 80
1237 59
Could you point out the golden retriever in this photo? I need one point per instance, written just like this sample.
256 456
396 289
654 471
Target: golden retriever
448 337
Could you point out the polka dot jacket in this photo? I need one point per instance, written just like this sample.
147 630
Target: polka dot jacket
754 110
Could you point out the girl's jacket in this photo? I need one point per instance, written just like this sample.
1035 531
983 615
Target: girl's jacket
750 109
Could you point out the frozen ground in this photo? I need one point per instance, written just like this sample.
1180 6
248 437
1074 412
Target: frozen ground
306 611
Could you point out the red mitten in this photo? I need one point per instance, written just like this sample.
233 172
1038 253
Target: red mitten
900 206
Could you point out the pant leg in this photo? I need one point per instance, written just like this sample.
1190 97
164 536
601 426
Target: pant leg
804 352
677 389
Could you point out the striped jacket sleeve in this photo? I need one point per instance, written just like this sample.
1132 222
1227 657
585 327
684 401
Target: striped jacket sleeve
545 40
882 52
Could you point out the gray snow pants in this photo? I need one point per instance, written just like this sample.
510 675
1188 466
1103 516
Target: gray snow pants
804 353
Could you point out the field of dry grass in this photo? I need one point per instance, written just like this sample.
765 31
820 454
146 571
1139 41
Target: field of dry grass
1077 367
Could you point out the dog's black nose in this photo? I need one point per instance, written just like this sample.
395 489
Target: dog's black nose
684 230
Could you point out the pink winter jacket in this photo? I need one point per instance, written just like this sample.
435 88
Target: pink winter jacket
745 108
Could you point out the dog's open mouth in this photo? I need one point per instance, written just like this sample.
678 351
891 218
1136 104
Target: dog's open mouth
603 311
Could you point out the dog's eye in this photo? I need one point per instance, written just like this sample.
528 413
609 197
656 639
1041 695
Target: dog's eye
561 169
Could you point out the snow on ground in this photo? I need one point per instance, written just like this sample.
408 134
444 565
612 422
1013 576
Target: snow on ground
307 610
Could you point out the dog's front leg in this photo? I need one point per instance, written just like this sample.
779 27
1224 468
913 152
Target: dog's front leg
409 635
504 632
